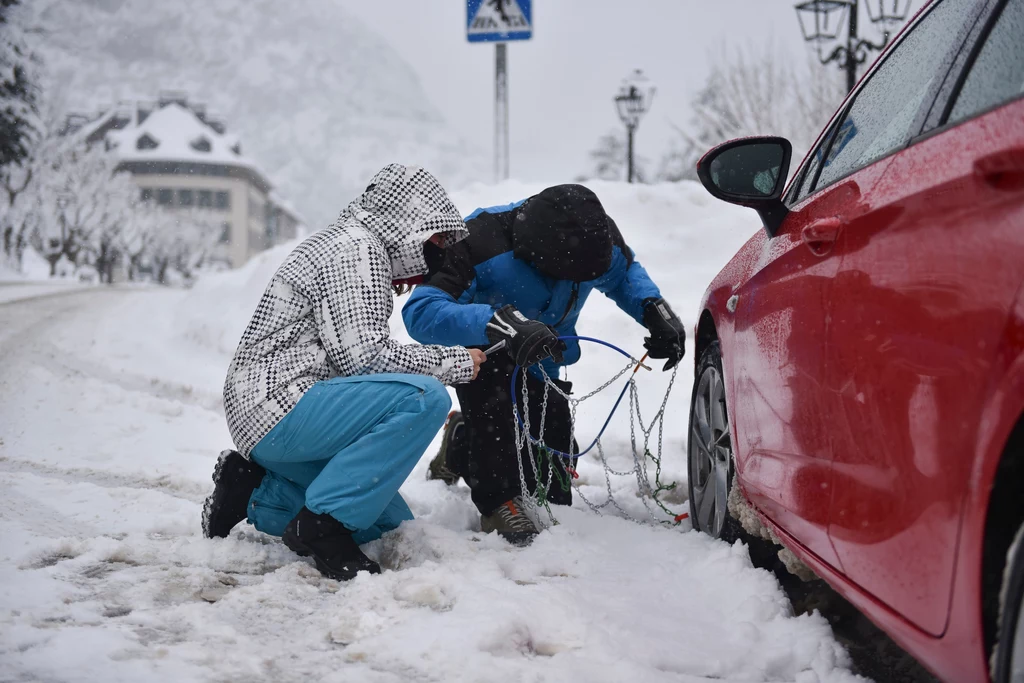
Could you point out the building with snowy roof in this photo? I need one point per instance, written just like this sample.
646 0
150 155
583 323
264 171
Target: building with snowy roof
181 157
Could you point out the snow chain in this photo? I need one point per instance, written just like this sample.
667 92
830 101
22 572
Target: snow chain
538 453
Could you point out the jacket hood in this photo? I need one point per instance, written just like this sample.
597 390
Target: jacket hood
564 233
404 206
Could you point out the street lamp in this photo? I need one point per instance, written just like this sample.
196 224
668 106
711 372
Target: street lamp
632 102
888 11
54 247
63 199
821 21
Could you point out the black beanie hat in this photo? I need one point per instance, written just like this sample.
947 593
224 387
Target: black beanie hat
564 233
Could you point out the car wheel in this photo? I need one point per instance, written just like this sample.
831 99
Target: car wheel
1009 655
709 450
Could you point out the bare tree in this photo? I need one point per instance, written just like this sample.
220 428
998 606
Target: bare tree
608 160
756 91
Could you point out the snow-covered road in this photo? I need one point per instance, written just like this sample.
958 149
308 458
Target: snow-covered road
110 422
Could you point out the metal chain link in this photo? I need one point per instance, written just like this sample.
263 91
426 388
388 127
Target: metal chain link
524 438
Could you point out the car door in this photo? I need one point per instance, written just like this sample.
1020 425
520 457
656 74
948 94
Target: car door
776 361
924 286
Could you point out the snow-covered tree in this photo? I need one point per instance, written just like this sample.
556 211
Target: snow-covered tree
19 129
81 202
18 96
180 241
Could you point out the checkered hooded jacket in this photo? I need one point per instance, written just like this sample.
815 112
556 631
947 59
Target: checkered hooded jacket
325 312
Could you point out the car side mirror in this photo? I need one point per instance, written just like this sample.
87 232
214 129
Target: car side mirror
750 172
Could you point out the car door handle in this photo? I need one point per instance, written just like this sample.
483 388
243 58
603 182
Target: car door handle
821 235
1002 170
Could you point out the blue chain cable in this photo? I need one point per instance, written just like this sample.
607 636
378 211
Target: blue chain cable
515 405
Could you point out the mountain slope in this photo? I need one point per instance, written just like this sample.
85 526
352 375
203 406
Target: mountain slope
317 98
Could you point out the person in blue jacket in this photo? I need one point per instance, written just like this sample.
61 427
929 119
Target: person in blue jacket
522 276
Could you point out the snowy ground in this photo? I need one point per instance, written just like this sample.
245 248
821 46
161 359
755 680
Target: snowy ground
14 290
110 421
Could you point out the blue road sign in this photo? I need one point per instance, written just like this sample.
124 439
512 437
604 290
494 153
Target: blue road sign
498 21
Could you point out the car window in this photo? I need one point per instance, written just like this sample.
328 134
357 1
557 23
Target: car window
880 119
997 74
807 179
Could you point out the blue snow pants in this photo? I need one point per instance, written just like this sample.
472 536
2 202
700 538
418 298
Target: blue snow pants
345 449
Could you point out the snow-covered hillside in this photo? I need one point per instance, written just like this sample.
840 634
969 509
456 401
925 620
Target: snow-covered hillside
318 99
111 423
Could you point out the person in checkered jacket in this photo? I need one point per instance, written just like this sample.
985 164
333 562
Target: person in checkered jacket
328 412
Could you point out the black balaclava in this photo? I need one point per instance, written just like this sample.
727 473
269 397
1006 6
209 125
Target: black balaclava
564 233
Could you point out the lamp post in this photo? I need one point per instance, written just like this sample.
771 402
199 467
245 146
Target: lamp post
821 22
632 102
63 199
56 246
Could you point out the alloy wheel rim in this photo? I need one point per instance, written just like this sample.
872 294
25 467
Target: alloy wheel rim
710 453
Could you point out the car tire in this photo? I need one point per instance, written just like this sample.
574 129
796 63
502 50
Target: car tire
1008 659
710 464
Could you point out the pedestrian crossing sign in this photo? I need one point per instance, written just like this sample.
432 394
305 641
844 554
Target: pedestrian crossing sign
498 21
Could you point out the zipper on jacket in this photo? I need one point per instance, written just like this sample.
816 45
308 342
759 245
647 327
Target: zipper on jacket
573 298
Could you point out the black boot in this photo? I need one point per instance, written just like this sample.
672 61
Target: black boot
329 543
234 480
444 466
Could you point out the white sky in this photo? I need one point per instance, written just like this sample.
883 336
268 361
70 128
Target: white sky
563 80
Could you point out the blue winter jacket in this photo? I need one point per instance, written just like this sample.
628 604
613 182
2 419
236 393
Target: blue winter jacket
480 274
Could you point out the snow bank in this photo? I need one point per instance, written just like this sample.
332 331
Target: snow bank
33 268
214 313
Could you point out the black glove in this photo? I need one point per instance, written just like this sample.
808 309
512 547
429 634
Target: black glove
527 341
668 336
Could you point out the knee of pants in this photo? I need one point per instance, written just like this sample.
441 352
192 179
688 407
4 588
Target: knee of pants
436 397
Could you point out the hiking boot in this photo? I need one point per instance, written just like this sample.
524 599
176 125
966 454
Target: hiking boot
511 523
234 480
329 543
440 467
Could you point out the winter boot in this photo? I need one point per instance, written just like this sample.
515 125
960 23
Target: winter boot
441 466
511 523
234 480
329 543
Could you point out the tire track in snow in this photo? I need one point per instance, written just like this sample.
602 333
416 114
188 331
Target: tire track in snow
177 487
24 343
57 360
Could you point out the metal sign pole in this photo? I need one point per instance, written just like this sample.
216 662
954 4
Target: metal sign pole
499 22
501 161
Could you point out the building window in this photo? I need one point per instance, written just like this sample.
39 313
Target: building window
256 210
225 233
201 144
146 142
147 194
165 196
186 198
222 200
205 198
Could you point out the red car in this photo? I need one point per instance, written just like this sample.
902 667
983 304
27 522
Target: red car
859 393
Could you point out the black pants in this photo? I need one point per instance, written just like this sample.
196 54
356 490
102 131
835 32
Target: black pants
485 452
